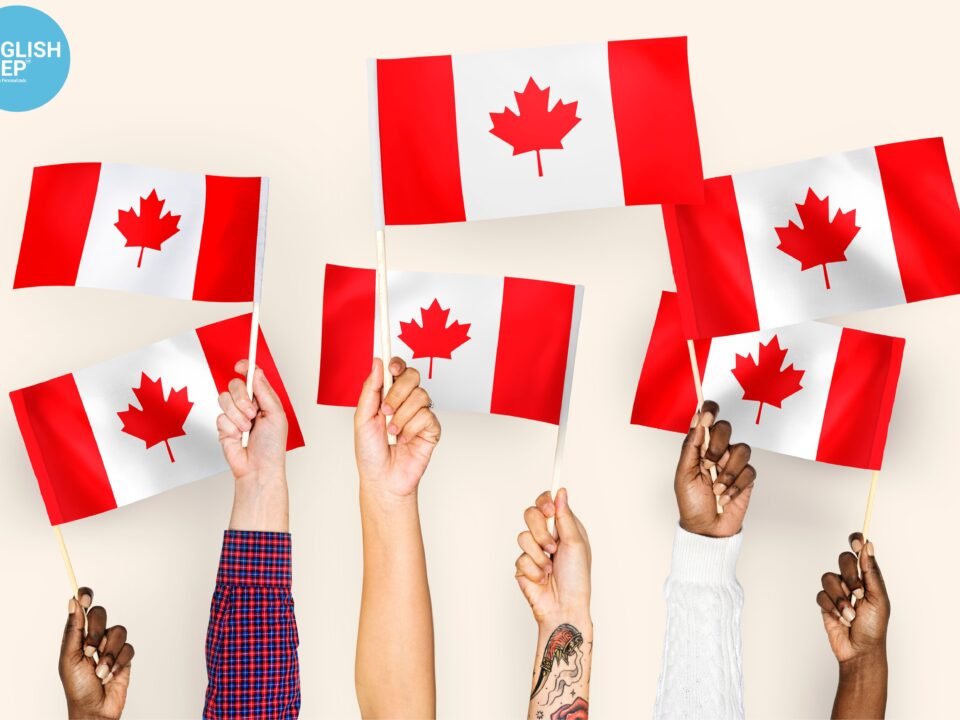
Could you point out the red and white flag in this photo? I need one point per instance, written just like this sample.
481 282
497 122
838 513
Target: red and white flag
522 132
138 424
838 234
813 390
483 344
146 230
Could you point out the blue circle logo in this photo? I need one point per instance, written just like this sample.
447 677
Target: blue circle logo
34 58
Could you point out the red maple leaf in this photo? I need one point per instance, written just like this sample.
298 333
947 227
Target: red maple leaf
535 128
148 229
764 381
820 240
156 420
435 339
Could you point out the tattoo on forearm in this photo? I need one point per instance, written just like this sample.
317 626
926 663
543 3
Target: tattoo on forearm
561 669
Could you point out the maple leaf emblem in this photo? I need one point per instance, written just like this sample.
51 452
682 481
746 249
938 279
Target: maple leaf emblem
148 229
535 128
820 240
434 339
763 380
157 419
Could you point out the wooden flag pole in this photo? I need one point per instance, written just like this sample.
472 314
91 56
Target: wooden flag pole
257 292
699 388
66 562
869 513
383 307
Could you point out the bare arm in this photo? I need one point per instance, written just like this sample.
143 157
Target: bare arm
395 665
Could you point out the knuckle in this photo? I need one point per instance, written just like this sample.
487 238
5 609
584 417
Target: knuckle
524 537
413 374
826 578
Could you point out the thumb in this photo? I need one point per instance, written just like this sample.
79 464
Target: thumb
370 395
72 646
567 528
875 587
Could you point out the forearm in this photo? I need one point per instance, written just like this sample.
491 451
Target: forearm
862 688
561 670
395 661
701 673
261 503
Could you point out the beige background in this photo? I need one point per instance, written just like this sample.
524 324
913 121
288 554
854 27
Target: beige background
280 89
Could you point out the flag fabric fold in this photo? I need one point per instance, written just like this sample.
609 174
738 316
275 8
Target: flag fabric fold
811 390
138 424
142 229
483 344
834 235
528 131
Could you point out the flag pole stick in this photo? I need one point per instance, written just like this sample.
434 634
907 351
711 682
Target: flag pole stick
557 464
383 308
699 388
66 562
257 292
869 513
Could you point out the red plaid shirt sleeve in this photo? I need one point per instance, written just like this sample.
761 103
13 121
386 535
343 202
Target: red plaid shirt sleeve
252 666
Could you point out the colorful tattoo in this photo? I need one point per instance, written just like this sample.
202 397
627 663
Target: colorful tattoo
564 643
577 710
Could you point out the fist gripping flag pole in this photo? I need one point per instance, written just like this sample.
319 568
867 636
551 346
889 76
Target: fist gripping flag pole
257 292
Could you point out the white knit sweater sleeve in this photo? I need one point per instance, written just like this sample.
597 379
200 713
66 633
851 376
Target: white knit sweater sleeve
701 675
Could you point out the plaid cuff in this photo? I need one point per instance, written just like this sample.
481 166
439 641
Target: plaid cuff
255 559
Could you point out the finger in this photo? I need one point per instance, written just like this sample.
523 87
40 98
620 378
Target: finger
708 413
417 399
737 457
71 646
116 638
370 394
850 574
691 451
745 480
856 541
264 395
424 424
230 409
545 504
86 597
832 586
397 366
719 440
96 625
227 428
403 385
537 525
241 398
123 661
875 587
527 568
829 610
568 529
532 548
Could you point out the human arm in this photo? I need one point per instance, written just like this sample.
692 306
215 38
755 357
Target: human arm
95 689
701 675
554 575
856 611
252 663
394 671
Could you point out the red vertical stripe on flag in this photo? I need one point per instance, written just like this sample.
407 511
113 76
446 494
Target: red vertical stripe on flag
924 216
860 401
58 216
346 345
227 262
62 450
666 395
535 322
226 342
656 126
710 265
419 155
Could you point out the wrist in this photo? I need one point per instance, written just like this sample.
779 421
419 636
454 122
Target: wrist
868 665
580 619
261 502
375 492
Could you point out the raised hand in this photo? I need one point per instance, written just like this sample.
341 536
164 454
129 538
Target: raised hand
95 689
697 494
394 469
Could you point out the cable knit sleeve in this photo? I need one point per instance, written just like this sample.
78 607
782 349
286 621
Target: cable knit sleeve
701 676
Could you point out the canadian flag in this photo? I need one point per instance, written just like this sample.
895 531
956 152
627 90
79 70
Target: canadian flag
484 344
143 229
812 390
139 424
838 234
521 132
